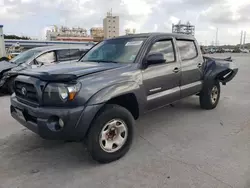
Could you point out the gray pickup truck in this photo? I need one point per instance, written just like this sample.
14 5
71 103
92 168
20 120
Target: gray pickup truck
97 99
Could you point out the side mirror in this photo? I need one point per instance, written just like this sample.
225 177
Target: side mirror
155 58
39 63
36 64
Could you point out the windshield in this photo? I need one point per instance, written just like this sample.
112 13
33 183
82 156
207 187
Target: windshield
120 50
24 56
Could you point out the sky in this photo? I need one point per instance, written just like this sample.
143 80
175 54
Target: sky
33 17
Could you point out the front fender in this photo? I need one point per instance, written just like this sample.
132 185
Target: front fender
116 90
96 102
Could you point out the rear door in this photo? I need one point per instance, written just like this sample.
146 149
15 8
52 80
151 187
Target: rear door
162 81
191 63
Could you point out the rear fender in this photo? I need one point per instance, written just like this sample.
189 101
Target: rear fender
224 70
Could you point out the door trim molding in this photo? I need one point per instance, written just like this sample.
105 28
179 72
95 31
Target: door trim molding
155 89
194 84
163 93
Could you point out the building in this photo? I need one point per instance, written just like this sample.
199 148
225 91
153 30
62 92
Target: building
187 28
97 33
128 31
76 39
68 34
2 45
111 26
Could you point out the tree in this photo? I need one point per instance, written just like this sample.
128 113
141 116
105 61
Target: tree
16 37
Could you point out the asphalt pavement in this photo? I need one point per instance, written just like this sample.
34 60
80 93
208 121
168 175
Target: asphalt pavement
179 146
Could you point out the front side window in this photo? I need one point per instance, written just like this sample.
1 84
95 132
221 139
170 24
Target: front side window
119 50
187 49
47 58
166 48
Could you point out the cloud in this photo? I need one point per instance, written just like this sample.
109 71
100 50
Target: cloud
227 13
32 17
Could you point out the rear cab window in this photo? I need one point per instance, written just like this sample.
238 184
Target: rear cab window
187 48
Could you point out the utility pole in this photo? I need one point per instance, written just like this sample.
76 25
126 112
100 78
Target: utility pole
244 41
241 38
216 40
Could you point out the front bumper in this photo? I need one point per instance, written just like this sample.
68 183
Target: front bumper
43 120
3 80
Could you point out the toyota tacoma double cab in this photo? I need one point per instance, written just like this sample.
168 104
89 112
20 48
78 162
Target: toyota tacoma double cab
98 99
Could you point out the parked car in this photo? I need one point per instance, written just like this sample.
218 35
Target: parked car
244 50
98 98
34 58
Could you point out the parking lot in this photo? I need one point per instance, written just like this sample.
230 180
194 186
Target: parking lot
179 146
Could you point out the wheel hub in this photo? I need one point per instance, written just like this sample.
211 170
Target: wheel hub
214 94
113 135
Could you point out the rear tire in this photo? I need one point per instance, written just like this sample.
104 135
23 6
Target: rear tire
210 96
103 146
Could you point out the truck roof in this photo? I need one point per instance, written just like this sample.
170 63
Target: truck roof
175 35
44 48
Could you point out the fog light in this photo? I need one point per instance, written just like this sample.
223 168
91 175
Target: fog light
55 123
61 123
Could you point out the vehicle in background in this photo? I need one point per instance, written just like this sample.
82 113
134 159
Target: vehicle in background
244 50
220 50
98 98
36 57
228 50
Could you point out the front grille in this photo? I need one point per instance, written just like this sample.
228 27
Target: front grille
26 91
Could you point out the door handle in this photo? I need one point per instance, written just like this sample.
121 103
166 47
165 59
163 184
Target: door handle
199 65
176 70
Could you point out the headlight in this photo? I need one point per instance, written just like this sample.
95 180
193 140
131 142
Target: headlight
63 92
58 93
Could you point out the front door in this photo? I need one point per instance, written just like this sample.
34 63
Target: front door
162 81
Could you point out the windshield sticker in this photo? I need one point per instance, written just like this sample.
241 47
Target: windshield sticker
134 43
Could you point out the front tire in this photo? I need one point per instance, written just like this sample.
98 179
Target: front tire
210 96
111 134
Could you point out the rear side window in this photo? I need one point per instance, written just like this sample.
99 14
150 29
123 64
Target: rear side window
68 54
187 49
75 53
82 52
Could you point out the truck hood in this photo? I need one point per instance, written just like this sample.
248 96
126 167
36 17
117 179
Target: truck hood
5 65
69 71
